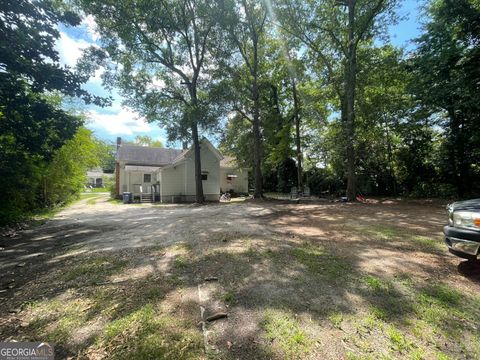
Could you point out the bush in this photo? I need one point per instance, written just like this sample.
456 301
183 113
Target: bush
428 190
324 182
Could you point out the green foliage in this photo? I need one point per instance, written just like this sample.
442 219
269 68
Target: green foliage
324 182
65 176
447 84
177 39
28 56
145 140
33 126
106 155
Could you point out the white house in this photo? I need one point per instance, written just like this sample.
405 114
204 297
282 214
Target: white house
168 175
96 177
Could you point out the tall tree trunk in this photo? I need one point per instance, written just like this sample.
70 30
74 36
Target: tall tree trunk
459 156
257 139
296 111
350 83
390 161
465 180
198 165
199 198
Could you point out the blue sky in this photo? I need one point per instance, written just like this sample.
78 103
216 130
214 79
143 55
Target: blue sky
110 122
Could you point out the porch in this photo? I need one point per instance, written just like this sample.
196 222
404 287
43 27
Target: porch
141 182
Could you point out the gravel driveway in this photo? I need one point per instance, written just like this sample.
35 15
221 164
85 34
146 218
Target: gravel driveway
107 225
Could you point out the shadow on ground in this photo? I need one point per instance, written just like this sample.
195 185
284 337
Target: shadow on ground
296 282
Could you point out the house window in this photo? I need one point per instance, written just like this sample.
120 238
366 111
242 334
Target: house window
204 176
147 178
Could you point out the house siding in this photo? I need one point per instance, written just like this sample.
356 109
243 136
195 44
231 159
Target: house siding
171 182
211 164
177 181
238 184
122 179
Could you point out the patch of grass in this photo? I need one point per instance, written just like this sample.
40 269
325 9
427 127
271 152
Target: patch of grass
397 340
443 313
228 297
157 248
336 319
376 284
285 332
382 231
442 294
252 253
29 304
180 248
388 301
354 356
322 263
84 196
180 262
174 281
441 356
378 313
148 334
104 302
92 201
428 244
183 256
115 201
56 319
404 279
95 268
100 190
416 354
444 309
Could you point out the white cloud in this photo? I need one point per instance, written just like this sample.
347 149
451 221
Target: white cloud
123 121
69 49
157 84
91 26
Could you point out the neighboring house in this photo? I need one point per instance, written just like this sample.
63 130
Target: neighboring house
96 177
168 175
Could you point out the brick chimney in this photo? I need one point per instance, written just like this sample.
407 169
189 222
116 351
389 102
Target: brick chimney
119 142
185 145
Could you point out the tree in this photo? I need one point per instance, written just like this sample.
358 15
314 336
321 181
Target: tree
445 66
33 126
64 176
383 103
145 140
332 30
28 56
245 23
163 50
106 154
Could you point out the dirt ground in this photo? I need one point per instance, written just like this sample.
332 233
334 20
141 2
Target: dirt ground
288 281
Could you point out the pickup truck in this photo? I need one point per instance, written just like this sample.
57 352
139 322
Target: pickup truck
462 234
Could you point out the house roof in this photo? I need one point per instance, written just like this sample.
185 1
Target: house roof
143 155
204 141
160 157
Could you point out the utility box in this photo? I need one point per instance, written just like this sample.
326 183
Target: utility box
127 197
